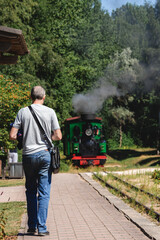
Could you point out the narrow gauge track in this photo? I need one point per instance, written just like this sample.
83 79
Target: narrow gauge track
134 187
147 209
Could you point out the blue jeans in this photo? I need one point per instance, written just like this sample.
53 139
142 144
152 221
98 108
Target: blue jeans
38 180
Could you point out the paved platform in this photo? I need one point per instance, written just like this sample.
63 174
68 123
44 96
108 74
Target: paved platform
11 194
79 210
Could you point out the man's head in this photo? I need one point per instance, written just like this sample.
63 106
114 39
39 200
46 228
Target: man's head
37 93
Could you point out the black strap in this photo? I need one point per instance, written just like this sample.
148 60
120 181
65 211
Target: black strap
40 127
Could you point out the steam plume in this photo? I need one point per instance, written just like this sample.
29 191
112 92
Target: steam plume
92 101
115 82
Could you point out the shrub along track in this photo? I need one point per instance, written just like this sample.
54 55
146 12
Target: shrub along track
131 189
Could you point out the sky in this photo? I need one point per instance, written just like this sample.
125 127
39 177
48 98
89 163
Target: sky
113 4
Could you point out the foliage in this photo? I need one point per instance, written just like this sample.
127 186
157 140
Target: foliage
113 143
10 218
16 13
12 182
156 175
122 115
64 166
74 43
12 98
2 224
131 21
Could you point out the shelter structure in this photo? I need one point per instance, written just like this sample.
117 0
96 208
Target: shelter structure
12 45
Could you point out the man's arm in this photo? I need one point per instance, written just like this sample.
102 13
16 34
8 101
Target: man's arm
13 133
57 135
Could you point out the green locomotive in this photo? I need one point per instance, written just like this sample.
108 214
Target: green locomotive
83 140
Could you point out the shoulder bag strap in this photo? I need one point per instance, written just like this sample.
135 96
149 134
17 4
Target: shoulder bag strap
40 127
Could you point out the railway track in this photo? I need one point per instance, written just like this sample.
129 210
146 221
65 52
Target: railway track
148 210
134 187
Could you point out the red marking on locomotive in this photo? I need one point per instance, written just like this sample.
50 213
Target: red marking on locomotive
87 160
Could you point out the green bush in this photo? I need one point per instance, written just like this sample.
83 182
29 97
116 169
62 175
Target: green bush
112 144
156 175
64 167
127 141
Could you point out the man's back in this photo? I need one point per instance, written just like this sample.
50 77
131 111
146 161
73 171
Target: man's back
33 141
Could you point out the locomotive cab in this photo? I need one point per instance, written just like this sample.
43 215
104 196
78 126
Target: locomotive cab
83 140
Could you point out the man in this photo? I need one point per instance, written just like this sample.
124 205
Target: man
36 158
13 155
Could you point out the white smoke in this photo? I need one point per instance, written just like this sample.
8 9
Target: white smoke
119 78
92 101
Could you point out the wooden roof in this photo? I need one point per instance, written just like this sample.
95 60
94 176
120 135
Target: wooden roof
11 41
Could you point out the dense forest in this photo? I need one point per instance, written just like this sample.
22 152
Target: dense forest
89 60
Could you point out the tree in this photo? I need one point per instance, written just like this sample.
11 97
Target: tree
130 27
12 98
121 115
70 42
73 42
18 14
123 73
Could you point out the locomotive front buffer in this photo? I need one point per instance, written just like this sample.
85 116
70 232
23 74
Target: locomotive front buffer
84 141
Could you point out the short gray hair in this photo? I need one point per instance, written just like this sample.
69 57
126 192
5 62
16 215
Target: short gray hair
37 92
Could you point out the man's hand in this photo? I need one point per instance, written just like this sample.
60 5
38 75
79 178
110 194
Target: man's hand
57 135
13 133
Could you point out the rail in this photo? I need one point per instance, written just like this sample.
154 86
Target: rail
132 186
147 209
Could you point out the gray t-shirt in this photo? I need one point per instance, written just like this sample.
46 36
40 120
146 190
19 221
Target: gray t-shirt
33 141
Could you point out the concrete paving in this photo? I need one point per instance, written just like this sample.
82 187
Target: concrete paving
149 228
11 194
81 209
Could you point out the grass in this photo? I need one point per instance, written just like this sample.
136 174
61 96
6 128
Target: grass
124 159
10 215
142 181
12 182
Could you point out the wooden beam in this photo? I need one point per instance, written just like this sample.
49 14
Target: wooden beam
5 46
8 59
10 30
15 38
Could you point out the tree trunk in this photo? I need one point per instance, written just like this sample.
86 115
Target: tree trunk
120 135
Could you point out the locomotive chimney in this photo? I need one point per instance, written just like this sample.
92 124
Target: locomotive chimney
88 116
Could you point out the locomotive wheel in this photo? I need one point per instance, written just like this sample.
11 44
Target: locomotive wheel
102 161
76 163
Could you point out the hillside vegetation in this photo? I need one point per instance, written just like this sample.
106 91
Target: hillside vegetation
76 47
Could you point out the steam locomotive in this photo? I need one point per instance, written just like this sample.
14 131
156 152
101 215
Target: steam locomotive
83 140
